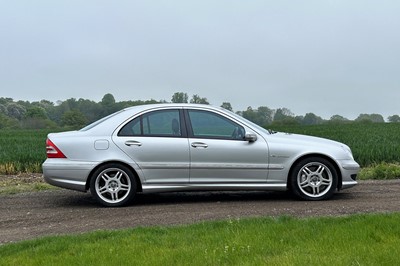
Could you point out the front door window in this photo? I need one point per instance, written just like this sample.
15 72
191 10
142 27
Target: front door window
214 126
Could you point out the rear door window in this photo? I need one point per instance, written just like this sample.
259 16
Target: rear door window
158 123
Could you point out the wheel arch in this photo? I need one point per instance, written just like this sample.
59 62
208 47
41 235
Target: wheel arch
333 162
137 179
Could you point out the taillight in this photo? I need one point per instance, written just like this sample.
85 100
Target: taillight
52 150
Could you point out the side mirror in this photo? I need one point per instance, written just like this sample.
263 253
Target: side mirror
250 137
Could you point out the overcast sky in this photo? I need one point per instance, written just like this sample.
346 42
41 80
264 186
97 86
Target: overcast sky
326 57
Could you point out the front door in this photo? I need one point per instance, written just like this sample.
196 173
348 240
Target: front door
219 153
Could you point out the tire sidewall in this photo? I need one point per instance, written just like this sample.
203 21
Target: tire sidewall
123 168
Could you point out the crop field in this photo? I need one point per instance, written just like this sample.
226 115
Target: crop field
371 143
22 151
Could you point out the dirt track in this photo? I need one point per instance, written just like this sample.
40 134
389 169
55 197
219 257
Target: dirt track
54 212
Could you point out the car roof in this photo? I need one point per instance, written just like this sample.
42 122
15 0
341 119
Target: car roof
109 123
145 107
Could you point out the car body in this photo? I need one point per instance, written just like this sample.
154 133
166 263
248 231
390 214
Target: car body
190 147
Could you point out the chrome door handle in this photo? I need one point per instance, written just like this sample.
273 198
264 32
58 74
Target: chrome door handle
199 145
133 143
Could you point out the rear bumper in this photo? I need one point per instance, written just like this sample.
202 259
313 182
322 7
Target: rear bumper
67 174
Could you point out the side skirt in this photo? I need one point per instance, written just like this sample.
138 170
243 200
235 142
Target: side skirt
208 187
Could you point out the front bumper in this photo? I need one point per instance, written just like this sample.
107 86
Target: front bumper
349 170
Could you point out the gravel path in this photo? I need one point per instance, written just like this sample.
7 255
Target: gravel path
56 212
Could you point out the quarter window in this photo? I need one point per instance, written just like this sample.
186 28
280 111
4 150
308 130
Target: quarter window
210 125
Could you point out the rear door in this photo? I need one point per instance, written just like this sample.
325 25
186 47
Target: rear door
157 142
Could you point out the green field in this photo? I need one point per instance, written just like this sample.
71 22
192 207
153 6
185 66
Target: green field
371 143
22 151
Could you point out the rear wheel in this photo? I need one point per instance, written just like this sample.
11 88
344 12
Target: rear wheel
314 179
113 185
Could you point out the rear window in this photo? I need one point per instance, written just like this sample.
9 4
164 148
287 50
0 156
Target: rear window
92 125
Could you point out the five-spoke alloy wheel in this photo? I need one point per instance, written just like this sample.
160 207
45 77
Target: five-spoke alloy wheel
113 185
314 179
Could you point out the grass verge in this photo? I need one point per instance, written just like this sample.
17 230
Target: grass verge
13 184
353 240
381 171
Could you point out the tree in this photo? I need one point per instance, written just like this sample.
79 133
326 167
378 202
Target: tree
55 114
282 114
394 119
227 106
262 116
249 114
108 105
312 119
108 100
73 118
7 122
377 118
197 99
16 111
92 110
180 97
338 118
6 101
70 104
3 109
35 118
45 103
374 118
265 115
36 112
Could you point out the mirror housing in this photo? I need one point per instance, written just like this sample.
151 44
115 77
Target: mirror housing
250 137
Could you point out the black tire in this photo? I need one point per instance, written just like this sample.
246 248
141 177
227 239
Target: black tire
313 178
113 185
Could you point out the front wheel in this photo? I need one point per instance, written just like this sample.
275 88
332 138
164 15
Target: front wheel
113 185
313 179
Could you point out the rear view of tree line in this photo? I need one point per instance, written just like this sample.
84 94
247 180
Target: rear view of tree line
74 113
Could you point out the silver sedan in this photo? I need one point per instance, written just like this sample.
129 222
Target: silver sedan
187 147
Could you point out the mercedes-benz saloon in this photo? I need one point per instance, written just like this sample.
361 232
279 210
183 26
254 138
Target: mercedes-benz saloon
188 147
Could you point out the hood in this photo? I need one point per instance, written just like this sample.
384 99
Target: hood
304 139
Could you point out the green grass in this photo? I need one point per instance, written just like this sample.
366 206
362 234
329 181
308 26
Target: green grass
353 240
